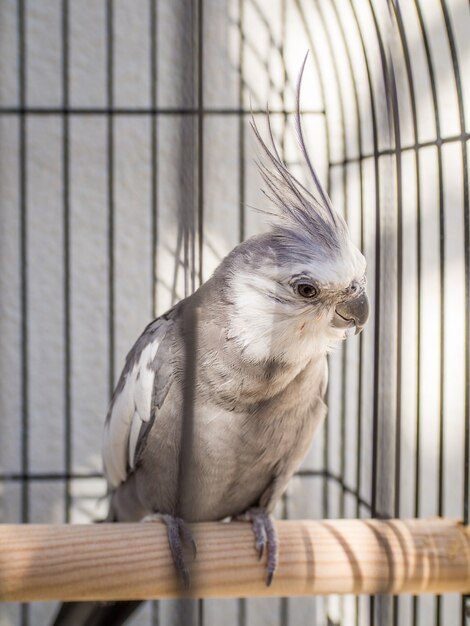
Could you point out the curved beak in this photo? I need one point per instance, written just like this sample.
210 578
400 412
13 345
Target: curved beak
351 313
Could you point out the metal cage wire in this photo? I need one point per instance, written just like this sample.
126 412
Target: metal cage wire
129 148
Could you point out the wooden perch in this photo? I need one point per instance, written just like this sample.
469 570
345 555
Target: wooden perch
132 561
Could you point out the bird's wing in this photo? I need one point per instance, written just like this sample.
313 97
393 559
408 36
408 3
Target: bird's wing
140 392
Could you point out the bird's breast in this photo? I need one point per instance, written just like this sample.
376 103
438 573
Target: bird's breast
238 452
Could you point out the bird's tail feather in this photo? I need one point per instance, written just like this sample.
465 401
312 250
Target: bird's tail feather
95 613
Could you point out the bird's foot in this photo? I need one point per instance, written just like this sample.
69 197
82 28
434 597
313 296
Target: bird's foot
179 537
265 538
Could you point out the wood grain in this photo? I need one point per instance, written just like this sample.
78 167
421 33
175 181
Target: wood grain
132 561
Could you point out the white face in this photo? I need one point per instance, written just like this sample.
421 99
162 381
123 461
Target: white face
289 312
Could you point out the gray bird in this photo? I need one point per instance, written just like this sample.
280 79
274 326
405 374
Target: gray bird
220 396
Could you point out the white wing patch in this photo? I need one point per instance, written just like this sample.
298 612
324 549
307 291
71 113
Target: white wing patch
131 407
136 425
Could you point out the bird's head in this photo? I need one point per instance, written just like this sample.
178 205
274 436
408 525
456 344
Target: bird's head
298 288
294 296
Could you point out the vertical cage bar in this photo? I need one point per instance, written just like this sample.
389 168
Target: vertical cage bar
24 614
466 220
154 148
110 157
155 612
200 138
283 602
381 606
410 81
241 617
192 217
399 191
432 78
67 268
24 262
241 124
377 303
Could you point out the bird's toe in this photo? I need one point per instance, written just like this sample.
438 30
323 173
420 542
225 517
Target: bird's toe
179 536
265 538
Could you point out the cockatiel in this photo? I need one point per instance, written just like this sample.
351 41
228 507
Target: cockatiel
240 366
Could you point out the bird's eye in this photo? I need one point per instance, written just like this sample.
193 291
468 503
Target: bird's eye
306 290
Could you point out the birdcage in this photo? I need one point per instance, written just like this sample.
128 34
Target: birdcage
127 172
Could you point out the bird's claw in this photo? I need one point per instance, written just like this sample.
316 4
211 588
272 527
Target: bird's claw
265 537
179 535
259 531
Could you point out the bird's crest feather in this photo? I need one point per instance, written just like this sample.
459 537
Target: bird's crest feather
298 208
